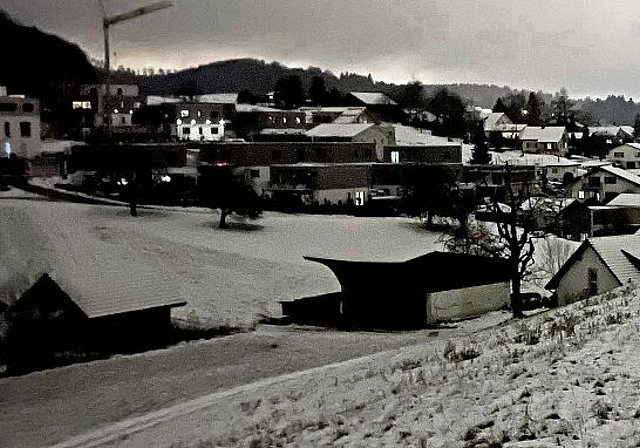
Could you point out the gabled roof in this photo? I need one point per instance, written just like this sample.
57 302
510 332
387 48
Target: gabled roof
548 134
611 131
374 98
350 115
338 130
102 277
218 98
617 253
626 200
619 172
492 119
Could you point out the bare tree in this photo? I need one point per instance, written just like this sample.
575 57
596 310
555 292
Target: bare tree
513 235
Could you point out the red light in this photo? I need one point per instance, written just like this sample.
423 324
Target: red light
221 163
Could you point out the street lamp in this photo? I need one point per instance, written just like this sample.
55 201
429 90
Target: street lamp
106 23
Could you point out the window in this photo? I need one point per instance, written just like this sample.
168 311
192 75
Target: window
214 114
25 129
277 154
123 120
8 107
395 156
592 276
549 146
610 180
200 130
199 113
7 129
186 130
254 173
581 194
594 181
554 170
631 165
284 120
119 92
28 107
81 104
214 131
298 120
618 155
184 113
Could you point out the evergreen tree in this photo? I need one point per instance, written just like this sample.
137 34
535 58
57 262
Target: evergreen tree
450 111
481 154
288 92
318 91
636 127
499 106
534 111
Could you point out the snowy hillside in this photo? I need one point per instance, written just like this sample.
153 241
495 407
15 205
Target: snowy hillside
226 277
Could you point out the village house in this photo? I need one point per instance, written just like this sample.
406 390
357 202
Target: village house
614 135
253 160
597 266
499 129
548 140
379 135
604 183
626 156
581 220
90 111
261 123
436 287
336 114
20 121
379 106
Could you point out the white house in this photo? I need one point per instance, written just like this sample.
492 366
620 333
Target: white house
549 139
597 266
625 156
20 121
604 183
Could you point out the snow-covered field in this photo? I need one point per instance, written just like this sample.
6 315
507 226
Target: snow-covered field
228 277
568 377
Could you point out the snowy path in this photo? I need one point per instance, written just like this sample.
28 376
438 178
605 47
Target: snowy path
79 398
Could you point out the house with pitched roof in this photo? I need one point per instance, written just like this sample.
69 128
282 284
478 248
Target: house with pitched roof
597 266
614 134
355 132
378 104
548 139
625 156
604 183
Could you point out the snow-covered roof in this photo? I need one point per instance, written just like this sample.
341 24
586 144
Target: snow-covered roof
619 172
408 135
548 134
547 204
532 159
327 109
626 200
285 131
374 98
492 119
620 254
154 100
218 98
338 130
611 131
99 273
350 115
242 107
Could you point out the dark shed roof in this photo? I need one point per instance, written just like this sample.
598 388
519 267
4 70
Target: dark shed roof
432 272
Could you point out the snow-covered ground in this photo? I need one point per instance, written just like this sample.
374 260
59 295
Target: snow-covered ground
227 277
568 377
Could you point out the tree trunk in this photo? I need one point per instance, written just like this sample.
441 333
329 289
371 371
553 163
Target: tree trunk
223 218
516 297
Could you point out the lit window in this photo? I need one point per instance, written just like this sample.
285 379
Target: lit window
284 120
199 113
25 129
298 121
184 113
581 194
7 148
395 156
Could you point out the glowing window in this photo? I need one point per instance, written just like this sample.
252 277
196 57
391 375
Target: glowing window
184 113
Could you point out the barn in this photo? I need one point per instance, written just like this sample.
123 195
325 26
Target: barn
435 287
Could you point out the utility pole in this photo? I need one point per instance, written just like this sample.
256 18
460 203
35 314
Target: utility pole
106 23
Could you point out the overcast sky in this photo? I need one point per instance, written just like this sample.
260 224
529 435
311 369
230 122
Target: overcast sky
590 47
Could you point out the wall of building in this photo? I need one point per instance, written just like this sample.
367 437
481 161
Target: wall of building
604 189
358 195
556 173
625 156
574 284
20 127
466 302
423 154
